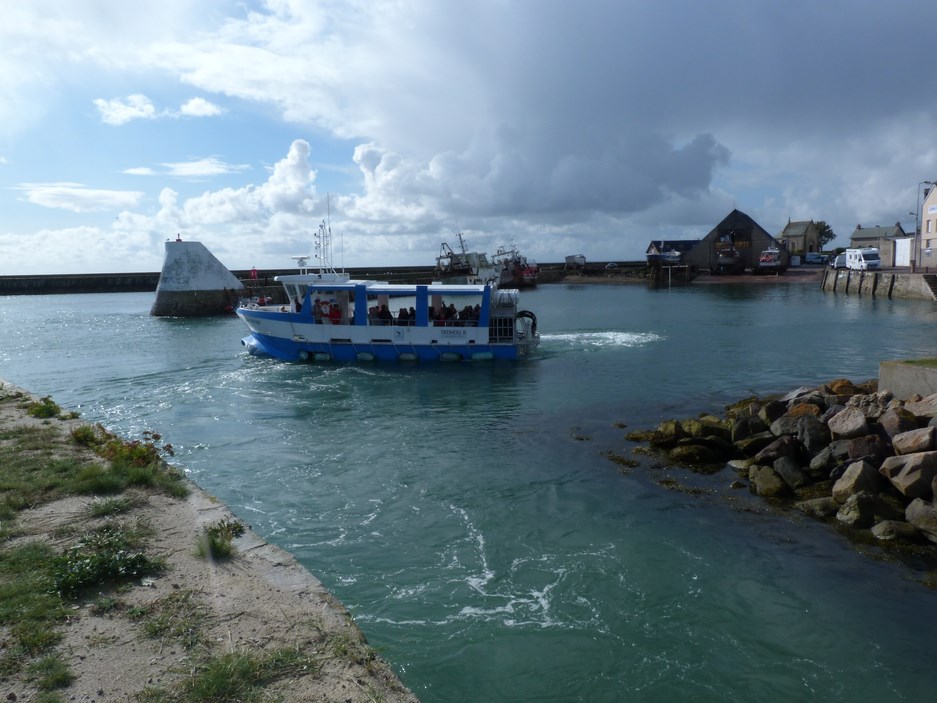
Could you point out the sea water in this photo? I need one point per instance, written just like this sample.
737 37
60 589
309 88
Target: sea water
471 516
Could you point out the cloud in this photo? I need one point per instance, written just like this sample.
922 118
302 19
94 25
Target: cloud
199 107
209 166
118 112
78 198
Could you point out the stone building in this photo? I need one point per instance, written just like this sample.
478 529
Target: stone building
887 240
738 231
800 237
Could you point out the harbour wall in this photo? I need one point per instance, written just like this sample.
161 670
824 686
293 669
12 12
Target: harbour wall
54 284
880 284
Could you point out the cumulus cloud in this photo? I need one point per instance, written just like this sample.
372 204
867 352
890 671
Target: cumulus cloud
199 107
118 112
77 197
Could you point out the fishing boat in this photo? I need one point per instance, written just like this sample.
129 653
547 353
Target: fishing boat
331 317
465 267
516 270
770 261
728 261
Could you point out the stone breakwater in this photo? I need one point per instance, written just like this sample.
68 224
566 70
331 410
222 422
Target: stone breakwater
842 451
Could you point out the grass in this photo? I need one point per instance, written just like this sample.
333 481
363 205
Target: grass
921 362
217 540
235 676
177 617
37 582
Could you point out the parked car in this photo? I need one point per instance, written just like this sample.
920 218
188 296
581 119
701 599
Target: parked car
838 261
814 257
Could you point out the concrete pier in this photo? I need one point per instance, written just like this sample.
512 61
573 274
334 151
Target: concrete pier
880 284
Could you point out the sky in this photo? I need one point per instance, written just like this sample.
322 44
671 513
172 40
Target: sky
589 127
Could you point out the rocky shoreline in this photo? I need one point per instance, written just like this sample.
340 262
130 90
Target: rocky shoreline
843 452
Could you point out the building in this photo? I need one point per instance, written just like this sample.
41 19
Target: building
893 244
662 249
925 252
800 237
737 231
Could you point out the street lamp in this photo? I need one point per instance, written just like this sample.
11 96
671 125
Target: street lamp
917 223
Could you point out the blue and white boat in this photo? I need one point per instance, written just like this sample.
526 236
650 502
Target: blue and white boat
331 317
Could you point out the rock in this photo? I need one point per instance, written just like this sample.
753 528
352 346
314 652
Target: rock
914 441
771 411
924 409
766 482
797 393
706 428
896 530
812 433
667 434
860 476
792 473
873 406
894 421
818 507
831 410
858 510
923 515
842 386
912 474
739 429
848 423
695 455
785 445
822 462
750 446
871 446
740 466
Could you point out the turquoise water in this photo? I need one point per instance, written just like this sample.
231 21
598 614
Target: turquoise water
468 514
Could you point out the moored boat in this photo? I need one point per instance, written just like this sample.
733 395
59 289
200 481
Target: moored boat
770 261
331 317
465 267
516 269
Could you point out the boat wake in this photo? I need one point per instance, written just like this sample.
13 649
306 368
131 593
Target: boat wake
598 340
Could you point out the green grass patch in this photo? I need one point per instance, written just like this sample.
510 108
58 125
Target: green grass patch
920 362
217 540
235 676
109 555
51 673
108 507
177 617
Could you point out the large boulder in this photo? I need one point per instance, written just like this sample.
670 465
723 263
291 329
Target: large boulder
767 483
750 446
706 427
848 423
793 474
923 515
870 446
914 441
894 421
696 455
823 507
895 531
771 411
786 445
667 434
911 474
860 476
873 406
924 409
858 510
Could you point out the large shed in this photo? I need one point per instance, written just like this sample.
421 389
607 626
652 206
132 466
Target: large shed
737 231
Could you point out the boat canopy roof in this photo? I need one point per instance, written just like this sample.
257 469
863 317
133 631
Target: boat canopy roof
382 288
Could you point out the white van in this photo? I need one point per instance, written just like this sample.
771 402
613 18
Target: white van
866 259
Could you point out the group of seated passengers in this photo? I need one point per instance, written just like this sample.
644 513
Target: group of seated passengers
381 315
448 315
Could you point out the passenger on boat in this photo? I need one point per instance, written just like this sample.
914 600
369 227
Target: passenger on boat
317 311
298 304
403 317
335 314
385 316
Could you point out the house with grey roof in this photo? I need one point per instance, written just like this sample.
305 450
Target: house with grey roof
800 237
886 239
